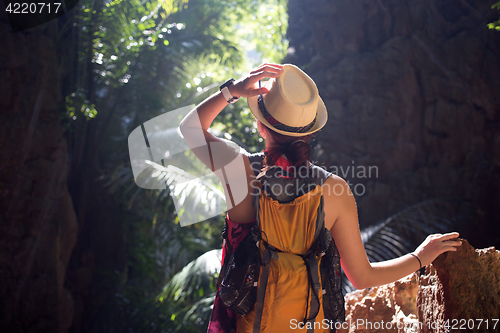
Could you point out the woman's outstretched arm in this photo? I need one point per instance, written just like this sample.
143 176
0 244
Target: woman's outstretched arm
342 220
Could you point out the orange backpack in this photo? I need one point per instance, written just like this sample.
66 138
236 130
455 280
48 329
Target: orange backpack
292 278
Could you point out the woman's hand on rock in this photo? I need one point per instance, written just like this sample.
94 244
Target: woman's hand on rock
247 86
436 244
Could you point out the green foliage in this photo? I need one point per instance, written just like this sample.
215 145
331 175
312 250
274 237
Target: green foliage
160 252
257 28
496 24
78 99
130 61
263 31
192 291
239 125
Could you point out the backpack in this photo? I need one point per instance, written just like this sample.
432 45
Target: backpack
247 267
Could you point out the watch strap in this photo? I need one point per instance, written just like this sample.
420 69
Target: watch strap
225 91
227 95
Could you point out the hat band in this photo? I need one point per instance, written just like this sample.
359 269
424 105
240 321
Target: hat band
279 125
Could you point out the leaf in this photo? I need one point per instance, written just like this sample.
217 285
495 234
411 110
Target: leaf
194 279
403 232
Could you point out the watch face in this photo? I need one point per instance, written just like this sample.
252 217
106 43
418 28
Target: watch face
227 83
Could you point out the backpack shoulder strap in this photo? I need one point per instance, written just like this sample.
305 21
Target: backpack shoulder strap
256 161
320 174
227 254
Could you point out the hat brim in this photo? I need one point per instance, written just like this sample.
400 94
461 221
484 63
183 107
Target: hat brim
321 117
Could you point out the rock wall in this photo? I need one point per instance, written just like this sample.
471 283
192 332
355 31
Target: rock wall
382 309
412 89
459 288
38 227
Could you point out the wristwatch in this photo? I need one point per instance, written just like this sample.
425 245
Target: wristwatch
225 91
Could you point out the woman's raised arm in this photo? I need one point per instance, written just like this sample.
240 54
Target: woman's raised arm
232 168
199 120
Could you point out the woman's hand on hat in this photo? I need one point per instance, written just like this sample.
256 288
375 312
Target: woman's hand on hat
436 244
247 86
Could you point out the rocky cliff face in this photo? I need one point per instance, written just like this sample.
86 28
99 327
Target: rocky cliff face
38 227
412 90
389 308
459 290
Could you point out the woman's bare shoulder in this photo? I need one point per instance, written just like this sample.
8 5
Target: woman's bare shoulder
339 200
335 185
333 178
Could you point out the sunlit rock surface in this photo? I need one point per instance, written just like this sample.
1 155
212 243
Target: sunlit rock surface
384 308
460 288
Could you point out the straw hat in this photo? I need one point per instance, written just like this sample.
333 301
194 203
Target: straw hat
292 106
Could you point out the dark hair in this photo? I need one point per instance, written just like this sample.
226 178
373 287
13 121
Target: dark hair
298 153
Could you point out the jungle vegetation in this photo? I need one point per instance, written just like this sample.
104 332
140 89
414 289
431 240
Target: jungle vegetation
125 62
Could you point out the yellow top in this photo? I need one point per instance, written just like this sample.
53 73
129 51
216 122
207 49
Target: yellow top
289 227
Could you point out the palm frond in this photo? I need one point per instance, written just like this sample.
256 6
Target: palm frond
192 290
404 231
194 280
